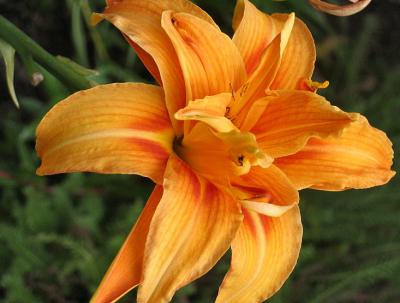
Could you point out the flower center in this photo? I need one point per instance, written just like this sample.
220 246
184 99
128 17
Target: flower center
220 156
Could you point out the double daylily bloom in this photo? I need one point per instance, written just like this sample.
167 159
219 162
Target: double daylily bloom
232 133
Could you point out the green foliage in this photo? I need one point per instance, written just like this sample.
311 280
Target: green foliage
59 234
8 54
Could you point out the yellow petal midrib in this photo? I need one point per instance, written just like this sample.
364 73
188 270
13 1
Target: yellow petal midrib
120 133
262 248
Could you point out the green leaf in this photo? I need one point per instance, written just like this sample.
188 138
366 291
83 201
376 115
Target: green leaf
78 32
79 69
8 53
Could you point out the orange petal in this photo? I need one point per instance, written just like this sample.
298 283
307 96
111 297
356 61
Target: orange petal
192 228
210 110
156 7
266 186
114 128
264 254
230 151
140 21
210 62
265 208
206 154
264 73
273 183
209 106
292 117
220 156
298 58
254 31
244 149
126 270
147 61
360 158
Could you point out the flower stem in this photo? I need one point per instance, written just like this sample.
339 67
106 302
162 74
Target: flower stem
25 45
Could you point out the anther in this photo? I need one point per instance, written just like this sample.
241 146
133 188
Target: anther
240 159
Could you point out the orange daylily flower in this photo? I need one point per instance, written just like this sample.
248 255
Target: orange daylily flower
232 133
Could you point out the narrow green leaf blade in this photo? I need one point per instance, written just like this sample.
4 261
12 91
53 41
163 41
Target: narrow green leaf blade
8 53
77 68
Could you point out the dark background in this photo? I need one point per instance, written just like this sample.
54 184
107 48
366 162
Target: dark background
59 234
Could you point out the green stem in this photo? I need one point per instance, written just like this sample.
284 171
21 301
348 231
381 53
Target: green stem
24 44
97 40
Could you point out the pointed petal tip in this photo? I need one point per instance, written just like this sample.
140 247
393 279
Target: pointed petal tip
210 61
264 253
267 209
360 157
40 172
125 271
309 114
96 18
101 130
178 247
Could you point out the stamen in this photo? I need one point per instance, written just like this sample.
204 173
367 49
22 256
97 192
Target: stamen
240 159
313 86
228 109
232 91
244 150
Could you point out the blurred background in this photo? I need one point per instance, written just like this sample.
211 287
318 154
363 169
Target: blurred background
59 234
